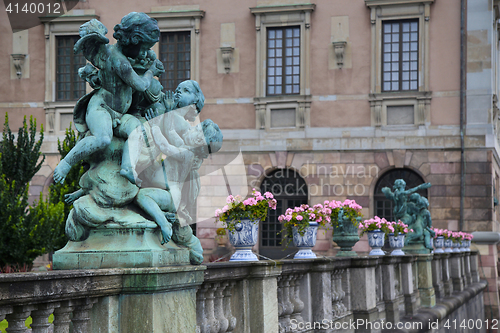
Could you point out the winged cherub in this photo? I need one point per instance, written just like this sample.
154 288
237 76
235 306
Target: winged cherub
101 112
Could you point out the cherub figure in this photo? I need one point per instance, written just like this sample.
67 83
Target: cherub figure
180 169
400 198
422 221
100 112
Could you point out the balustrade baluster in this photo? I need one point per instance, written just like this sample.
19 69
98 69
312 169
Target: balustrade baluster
201 317
17 318
219 309
298 305
62 316
281 305
81 315
288 309
40 317
335 295
227 307
212 322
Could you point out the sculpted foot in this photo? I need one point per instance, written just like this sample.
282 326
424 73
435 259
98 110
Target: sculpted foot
61 171
166 233
131 175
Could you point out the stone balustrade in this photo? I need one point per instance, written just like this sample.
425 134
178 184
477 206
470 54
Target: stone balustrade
357 294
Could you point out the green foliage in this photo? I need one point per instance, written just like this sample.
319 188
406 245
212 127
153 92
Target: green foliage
237 209
25 232
21 159
70 185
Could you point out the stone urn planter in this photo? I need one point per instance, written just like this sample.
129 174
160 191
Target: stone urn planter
397 243
243 238
345 235
306 242
438 244
448 244
376 239
456 246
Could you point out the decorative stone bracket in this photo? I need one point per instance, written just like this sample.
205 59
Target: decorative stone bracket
227 57
18 60
339 48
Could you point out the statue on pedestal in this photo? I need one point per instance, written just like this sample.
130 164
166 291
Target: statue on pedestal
412 209
126 124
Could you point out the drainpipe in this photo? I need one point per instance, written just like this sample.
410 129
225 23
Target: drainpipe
463 89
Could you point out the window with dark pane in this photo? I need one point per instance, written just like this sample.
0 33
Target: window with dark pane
384 207
289 190
400 55
69 85
283 61
175 54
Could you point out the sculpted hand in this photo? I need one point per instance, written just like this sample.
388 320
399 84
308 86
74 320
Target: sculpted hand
153 117
168 100
157 68
71 197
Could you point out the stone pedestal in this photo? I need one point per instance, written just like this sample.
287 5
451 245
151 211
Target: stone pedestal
113 246
416 249
152 300
424 274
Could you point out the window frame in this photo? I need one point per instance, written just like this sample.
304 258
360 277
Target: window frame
398 10
400 59
72 81
172 20
273 17
66 25
283 60
163 77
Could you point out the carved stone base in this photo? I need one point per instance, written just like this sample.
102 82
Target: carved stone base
416 249
155 300
112 246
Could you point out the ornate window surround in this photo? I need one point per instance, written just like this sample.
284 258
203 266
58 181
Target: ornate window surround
68 24
181 20
383 10
277 16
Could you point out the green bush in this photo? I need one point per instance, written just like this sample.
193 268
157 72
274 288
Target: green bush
25 232
70 185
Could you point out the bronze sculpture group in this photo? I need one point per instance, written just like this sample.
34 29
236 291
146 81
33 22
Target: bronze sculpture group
127 124
412 209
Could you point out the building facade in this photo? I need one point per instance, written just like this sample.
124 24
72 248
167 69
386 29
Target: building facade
318 101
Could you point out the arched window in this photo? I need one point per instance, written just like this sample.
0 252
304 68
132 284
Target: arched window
383 206
290 190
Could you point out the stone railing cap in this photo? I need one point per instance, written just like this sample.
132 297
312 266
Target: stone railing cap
486 237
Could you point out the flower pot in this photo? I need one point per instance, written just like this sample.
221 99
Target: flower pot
397 243
448 243
306 242
438 244
345 235
376 239
467 245
456 246
243 238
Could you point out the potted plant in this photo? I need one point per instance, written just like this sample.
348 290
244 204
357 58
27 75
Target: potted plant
241 218
302 224
448 240
376 228
397 232
438 240
345 218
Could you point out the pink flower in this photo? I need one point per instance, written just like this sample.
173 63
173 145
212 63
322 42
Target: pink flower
230 199
225 208
299 217
218 212
268 195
